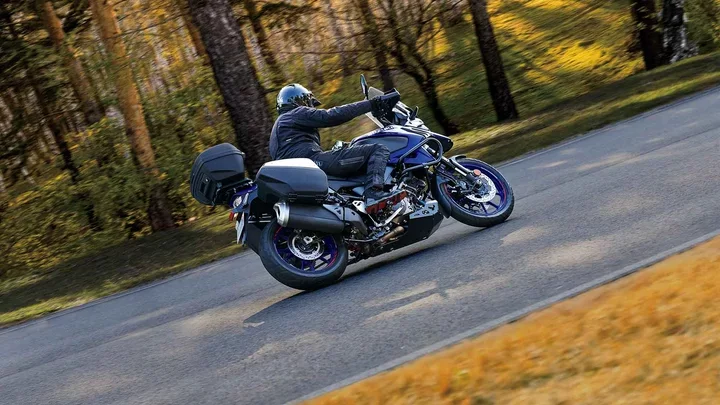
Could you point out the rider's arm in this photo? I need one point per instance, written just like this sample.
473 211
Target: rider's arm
318 118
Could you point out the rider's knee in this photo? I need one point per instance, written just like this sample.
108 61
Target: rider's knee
381 149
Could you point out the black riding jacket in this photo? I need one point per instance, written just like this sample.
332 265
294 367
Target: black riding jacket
295 133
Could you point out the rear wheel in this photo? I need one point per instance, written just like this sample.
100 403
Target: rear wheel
301 259
486 203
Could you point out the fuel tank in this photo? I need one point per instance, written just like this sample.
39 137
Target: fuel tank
401 139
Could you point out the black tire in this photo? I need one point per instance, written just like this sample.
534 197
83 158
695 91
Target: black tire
472 220
285 273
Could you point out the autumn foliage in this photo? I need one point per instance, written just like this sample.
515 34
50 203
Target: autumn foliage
651 338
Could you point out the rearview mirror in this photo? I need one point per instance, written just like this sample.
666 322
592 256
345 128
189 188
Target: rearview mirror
414 113
364 86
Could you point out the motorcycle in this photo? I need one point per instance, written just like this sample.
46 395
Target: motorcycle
307 227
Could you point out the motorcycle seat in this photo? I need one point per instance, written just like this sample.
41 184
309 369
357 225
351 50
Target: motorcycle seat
352 178
336 183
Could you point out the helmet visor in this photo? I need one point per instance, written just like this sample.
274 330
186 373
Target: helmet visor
307 100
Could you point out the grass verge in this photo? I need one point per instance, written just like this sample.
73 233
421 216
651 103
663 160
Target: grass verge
121 265
116 268
610 103
645 339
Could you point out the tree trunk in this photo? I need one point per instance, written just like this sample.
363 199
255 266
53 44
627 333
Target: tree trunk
311 56
498 84
27 176
451 13
421 71
339 38
52 120
53 123
256 54
192 30
276 74
129 102
195 37
74 16
429 89
312 69
236 77
373 36
648 31
676 43
92 110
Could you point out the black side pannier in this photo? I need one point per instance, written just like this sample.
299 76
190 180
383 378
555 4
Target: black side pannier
216 173
292 180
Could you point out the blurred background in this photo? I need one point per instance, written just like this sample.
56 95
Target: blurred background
105 104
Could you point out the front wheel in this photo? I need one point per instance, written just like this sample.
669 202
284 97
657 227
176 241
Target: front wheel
483 203
301 259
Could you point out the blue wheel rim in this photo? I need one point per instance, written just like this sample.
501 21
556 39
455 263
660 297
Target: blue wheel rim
317 267
488 209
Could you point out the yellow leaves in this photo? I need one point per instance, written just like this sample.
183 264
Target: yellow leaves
645 339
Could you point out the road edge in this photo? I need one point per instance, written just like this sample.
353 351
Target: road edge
111 297
583 136
511 317
517 159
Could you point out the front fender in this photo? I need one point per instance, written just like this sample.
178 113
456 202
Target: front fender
445 207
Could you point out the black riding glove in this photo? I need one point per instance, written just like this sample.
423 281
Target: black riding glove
379 106
383 105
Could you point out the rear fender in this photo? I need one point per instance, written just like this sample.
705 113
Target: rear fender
243 205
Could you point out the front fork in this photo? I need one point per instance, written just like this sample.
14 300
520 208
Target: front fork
470 175
440 177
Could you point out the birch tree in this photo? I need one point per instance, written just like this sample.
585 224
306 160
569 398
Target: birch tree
676 44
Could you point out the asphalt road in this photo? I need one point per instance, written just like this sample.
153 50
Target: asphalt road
229 333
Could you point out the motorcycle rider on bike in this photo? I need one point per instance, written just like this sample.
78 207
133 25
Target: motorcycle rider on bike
295 135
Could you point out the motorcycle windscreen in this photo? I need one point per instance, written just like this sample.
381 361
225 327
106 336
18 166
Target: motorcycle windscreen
401 111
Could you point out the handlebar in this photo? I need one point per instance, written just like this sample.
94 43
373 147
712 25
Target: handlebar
397 113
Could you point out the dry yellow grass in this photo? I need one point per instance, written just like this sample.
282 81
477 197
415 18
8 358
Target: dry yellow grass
651 338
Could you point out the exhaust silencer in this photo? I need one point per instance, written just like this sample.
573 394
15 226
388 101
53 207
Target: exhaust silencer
309 217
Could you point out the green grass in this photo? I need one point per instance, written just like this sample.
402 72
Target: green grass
611 103
104 271
570 71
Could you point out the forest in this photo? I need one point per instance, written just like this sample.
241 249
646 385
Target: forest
104 104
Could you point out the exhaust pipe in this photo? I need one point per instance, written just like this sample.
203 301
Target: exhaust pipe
392 235
282 213
308 217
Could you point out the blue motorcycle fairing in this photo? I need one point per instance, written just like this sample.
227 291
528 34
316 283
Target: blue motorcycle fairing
445 141
401 139
247 194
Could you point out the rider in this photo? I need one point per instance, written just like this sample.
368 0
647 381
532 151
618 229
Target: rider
295 135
